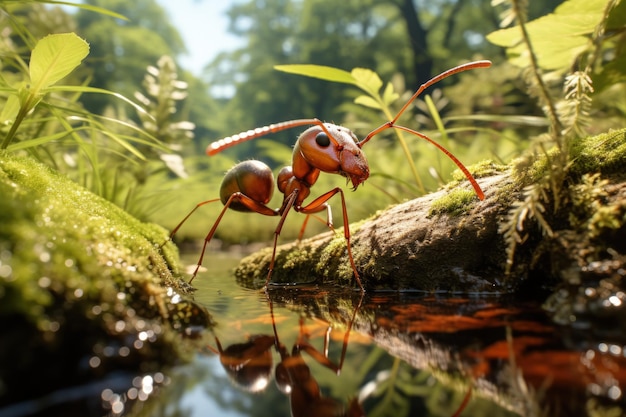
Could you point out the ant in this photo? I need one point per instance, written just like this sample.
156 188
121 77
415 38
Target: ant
323 147
249 366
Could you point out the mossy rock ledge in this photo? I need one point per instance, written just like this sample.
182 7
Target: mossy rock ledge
450 241
85 289
409 246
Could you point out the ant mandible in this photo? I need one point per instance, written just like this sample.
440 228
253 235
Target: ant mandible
324 147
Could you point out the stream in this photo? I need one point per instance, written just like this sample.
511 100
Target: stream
311 351
400 354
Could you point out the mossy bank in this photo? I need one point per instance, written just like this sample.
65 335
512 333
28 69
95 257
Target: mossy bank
84 287
541 228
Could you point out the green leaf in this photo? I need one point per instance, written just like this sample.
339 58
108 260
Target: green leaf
434 114
38 141
367 80
54 57
389 95
557 38
368 101
321 72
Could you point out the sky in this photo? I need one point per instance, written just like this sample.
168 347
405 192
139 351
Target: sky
203 26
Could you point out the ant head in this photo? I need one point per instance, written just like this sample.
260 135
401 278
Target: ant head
333 149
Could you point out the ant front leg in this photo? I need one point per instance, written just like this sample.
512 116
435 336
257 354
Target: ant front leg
328 222
320 204
178 226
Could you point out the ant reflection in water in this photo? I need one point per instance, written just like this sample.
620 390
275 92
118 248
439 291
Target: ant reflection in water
249 366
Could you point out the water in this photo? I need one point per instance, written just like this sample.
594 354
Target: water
389 354
405 354
368 373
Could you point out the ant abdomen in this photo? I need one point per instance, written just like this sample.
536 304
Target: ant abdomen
251 178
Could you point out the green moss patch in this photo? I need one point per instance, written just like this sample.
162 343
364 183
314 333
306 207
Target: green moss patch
605 153
85 288
455 203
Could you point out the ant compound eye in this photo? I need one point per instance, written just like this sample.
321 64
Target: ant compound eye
322 139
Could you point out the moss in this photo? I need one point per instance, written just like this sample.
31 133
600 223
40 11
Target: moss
455 203
531 168
78 274
605 153
481 169
333 260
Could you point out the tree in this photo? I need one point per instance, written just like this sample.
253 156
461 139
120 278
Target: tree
119 48
346 35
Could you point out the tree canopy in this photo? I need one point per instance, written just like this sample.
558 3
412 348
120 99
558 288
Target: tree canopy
121 50
413 38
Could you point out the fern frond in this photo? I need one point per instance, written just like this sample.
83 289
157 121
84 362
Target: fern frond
530 207
575 109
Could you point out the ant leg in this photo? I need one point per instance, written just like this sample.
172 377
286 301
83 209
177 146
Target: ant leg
463 403
252 205
314 207
173 232
322 358
346 335
328 223
288 203
303 228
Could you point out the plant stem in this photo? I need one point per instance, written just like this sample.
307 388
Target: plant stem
21 114
545 95
406 150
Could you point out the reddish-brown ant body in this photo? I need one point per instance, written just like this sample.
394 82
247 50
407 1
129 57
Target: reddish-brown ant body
249 366
323 147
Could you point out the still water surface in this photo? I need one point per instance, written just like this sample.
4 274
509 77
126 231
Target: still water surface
405 354
308 351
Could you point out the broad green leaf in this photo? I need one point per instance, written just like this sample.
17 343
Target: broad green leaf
557 38
389 95
368 101
54 57
318 71
367 80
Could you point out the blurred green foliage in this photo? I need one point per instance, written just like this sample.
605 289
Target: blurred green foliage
483 114
148 156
